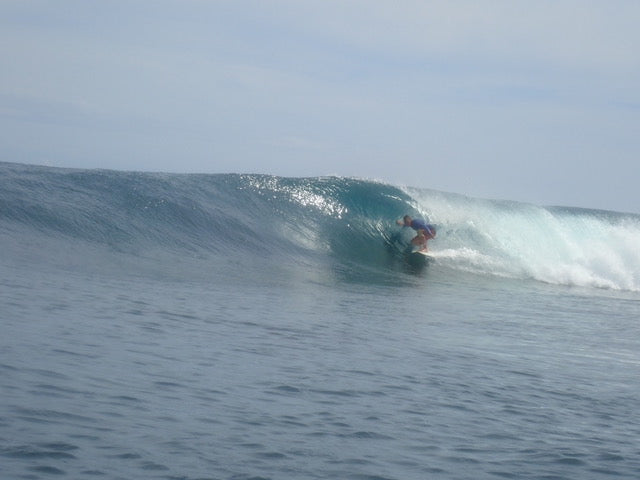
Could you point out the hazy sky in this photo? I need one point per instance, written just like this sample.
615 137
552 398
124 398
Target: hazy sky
536 101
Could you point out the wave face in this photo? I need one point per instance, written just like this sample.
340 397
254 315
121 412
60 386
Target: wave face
345 221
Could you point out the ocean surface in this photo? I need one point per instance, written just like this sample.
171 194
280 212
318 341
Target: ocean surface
165 326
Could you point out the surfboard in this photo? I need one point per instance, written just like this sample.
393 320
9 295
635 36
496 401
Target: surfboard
424 253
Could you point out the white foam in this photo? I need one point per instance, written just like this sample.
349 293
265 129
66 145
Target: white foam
559 246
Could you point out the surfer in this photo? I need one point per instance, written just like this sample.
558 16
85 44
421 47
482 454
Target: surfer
424 230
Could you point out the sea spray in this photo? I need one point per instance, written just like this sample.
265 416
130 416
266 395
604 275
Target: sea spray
557 245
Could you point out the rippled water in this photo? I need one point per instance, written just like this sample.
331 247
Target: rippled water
124 377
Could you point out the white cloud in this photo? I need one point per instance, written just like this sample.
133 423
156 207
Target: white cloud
589 32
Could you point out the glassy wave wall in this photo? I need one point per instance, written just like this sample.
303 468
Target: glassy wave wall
310 221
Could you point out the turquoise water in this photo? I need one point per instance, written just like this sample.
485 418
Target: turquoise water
252 327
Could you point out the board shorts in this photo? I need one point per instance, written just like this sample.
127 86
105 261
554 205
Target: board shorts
429 231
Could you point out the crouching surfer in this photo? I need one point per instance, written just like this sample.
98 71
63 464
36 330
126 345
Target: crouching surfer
424 231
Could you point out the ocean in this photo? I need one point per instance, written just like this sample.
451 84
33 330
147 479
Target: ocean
252 327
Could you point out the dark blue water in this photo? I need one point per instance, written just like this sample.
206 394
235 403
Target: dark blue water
246 327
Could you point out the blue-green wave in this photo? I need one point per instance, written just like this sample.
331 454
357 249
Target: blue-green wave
345 221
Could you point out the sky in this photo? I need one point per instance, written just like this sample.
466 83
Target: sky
535 101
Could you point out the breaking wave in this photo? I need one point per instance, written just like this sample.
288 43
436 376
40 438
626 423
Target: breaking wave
345 221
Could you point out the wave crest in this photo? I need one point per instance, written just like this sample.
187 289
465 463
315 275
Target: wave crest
341 220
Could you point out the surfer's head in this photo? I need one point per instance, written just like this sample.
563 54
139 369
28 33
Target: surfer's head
407 220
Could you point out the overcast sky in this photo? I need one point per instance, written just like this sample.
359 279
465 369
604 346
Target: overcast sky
536 101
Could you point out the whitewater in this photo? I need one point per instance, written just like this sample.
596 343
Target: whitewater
240 326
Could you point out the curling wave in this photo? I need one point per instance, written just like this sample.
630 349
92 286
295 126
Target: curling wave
342 220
